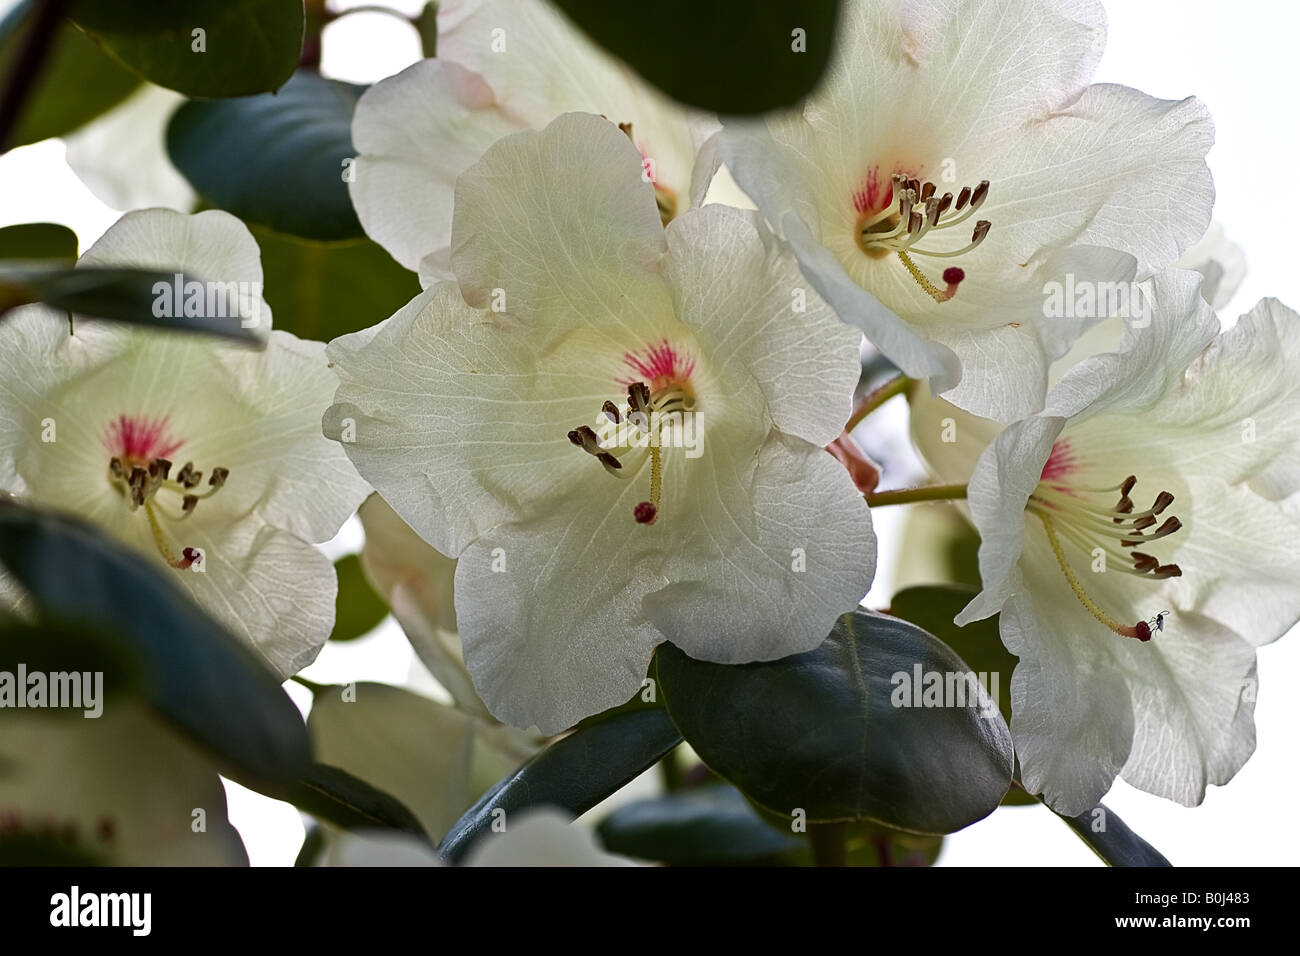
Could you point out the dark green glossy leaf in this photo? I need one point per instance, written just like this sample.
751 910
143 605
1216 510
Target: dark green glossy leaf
932 607
709 825
338 797
358 609
77 81
1112 840
281 161
321 290
124 295
574 773
728 56
246 46
191 670
38 240
820 732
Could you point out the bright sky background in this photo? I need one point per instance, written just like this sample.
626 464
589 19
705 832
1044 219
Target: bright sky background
1239 58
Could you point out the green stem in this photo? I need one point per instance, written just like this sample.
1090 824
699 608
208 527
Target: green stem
878 397
906 496
828 843
42 27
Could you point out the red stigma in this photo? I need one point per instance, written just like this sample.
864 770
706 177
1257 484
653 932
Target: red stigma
645 513
1143 631
953 275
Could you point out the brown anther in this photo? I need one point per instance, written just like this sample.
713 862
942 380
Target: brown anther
1168 571
1143 562
189 503
185 474
927 191
612 464
638 397
586 439
962 198
116 469
218 477
1129 482
1142 523
945 203
914 222
1163 501
980 194
611 411
981 230
164 467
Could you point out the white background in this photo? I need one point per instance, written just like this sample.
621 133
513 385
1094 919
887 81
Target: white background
1240 59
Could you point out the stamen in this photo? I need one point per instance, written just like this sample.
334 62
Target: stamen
920 212
1140 630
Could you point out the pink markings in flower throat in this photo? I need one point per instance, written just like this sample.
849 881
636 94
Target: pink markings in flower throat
139 439
658 365
1060 463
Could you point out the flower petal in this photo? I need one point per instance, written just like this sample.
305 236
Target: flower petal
415 133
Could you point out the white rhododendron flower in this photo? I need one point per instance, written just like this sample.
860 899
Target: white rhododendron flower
620 436
205 456
1135 541
502 67
953 163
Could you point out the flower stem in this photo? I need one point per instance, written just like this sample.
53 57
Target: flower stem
42 26
906 496
876 398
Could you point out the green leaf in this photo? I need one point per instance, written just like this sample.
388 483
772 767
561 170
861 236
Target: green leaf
124 295
321 290
712 825
932 607
191 670
574 773
427 25
1112 840
338 797
246 46
729 56
53 646
77 82
819 731
358 609
38 240
281 158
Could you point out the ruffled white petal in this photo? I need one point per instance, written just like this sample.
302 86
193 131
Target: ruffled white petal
415 132
122 155
747 303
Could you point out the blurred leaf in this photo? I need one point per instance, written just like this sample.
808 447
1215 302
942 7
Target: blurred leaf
358 609
819 731
124 295
574 773
979 644
77 82
246 47
193 672
44 849
53 646
321 290
728 56
1112 840
427 24
711 825
346 801
38 240
281 158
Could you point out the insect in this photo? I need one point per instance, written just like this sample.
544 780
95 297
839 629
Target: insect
1157 623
